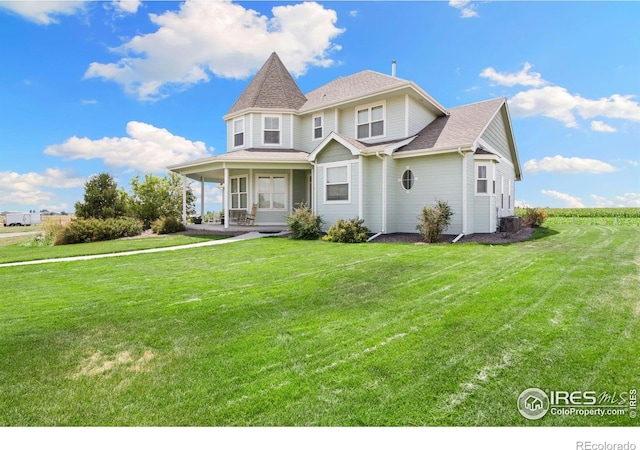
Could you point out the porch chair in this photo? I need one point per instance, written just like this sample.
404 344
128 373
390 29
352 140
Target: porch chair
249 219
214 219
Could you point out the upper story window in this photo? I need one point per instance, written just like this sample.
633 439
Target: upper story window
271 130
370 122
317 127
238 133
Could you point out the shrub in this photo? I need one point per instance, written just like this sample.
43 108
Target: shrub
347 231
303 223
434 220
534 217
166 225
93 230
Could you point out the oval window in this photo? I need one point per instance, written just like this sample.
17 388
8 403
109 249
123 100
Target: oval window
407 179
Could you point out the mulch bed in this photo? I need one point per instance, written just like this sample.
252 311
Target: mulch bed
482 238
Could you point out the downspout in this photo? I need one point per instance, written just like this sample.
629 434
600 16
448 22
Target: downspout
314 197
384 191
464 193
360 187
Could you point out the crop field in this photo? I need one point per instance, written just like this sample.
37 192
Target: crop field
276 332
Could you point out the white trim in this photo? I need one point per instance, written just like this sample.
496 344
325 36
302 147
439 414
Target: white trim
414 179
271 176
313 127
332 136
233 133
384 195
428 152
369 107
290 189
263 130
239 193
225 198
330 165
406 115
202 197
487 178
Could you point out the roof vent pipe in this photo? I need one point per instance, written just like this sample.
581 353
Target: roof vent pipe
393 68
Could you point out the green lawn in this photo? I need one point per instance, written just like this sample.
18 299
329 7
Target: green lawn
19 248
281 332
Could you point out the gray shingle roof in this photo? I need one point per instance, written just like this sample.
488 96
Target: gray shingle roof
352 86
460 128
272 87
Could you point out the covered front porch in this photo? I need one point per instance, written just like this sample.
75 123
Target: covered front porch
272 180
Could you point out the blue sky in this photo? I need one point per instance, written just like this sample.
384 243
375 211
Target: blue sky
129 87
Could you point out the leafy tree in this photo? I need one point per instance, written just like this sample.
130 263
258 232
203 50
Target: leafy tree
102 199
158 197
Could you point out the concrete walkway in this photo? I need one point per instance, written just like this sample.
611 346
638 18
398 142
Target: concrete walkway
242 237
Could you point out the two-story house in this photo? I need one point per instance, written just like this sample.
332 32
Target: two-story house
368 145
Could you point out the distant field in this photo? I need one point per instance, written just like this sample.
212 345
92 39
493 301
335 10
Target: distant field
590 216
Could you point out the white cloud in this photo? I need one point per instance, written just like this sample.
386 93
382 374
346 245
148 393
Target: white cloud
219 38
127 6
467 9
562 164
353 13
148 149
598 125
522 204
43 12
524 77
27 188
556 102
570 201
619 201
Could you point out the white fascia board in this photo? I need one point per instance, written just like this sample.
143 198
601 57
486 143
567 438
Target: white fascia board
395 146
428 152
333 136
242 112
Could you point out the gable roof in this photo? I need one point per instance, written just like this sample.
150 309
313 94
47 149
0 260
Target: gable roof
271 88
362 84
460 128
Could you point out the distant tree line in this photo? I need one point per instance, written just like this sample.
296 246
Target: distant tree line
151 198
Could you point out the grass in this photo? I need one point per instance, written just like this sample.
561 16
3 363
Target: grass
20 248
282 332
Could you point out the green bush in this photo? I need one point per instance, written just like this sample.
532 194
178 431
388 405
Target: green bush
432 221
303 223
166 225
534 217
93 230
347 231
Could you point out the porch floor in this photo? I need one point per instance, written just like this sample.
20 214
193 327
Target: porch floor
217 228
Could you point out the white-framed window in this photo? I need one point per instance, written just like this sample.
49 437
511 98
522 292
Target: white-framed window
370 121
238 192
337 186
407 180
238 132
482 180
317 126
272 192
271 130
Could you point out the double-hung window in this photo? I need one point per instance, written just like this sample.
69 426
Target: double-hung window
238 192
238 133
337 184
370 122
271 130
317 127
272 192
481 179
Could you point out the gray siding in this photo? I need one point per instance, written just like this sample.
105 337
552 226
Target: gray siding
372 193
438 177
470 186
481 214
255 131
496 135
331 212
395 118
419 117
334 152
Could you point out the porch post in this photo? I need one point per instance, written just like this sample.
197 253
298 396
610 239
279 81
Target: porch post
225 198
184 200
202 197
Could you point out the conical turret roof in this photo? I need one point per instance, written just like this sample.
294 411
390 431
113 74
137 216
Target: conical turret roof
271 88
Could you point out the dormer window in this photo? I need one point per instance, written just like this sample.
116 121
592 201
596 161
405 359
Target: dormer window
370 122
317 127
271 130
238 133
